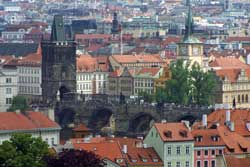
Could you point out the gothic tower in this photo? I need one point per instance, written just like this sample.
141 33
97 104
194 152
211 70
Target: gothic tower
191 48
58 64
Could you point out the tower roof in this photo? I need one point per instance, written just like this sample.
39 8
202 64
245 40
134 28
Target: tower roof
115 25
189 27
58 31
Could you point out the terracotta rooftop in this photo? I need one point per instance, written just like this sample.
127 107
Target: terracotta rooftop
235 143
228 63
87 63
238 39
239 117
173 132
109 150
138 59
232 161
207 136
21 122
231 74
81 127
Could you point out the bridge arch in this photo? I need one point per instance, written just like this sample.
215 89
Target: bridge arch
141 123
101 118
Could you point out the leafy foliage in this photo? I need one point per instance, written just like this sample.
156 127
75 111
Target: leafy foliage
76 158
23 150
19 103
203 85
188 85
146 96
178 88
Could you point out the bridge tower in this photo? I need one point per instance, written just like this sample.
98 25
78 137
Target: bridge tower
58 64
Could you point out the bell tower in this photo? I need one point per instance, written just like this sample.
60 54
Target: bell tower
58 63
191 48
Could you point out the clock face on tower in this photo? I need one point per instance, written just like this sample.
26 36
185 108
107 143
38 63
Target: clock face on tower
183 50
196 51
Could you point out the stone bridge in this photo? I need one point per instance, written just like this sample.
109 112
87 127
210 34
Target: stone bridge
102 113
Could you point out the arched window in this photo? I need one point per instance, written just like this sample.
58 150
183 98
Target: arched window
242 98
246 98
238 98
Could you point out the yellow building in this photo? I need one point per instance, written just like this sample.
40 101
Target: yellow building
161 81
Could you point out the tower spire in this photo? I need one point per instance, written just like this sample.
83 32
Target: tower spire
189 23
58 31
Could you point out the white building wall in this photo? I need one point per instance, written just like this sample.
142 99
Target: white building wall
86 81
29 80
8 87
47 136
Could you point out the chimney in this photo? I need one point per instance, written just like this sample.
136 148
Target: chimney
204 120
231 126
228 116
163 121
125 149
18 111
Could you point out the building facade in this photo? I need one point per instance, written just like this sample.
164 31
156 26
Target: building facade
173 142
8 84
34 123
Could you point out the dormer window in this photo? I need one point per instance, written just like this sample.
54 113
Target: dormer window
168 134
183 133
215 138
198 138
134 160
155 160
119 161
144 160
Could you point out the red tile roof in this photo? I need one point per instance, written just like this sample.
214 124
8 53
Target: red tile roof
109 150
152 71
153 58
173 132
232 161
238 39
207 140
11 121
87 63
81 127
138 152
231 74
235 143
240 117
228 63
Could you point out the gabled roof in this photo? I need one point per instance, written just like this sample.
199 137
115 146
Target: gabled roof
138 58
81 127
173 132
106 150
87 63
12 121
228 63
232 74
232 161
240 117
207 138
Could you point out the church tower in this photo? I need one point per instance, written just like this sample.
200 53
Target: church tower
58 64
191 48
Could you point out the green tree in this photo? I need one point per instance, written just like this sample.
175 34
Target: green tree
18 103
22 151
146 96
160 96
203 85
178 87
